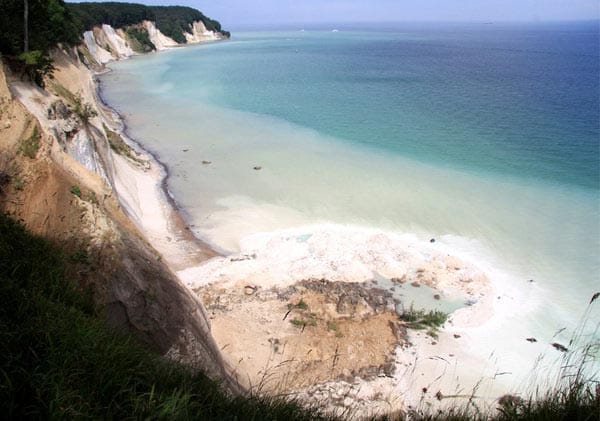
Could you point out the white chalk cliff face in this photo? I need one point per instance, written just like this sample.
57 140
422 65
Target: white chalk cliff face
105 44
101 55
160 40
200 33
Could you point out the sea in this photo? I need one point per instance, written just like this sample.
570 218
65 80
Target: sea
482 137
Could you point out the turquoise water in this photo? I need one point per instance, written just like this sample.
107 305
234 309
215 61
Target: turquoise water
485 137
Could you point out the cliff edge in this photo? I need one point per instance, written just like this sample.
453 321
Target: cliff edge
66 174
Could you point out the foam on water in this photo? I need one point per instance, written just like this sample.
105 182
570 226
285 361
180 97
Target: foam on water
323 207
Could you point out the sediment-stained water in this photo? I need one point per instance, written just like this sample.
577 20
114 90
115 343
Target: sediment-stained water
484 138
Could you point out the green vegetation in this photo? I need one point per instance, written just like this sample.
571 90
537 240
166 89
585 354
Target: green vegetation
574 397
79 257
49 22
117 15
420 319
118 145
30 146
84 110
52 22
63 92
308 320
298 322
76 191
140 40
299 305
18 183
35 65
58 360
172 21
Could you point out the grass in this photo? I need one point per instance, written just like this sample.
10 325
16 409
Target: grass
63 92
573 395
85 111
140 39
18 183
302 305
298 322
58 360
570 399
30 146
76 191
118 145
311 320
420 320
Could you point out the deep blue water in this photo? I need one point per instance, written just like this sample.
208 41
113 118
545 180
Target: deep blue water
485 137
521 100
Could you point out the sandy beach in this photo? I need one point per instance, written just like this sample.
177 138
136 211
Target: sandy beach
243 295
313 312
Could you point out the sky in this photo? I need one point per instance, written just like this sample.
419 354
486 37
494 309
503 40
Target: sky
235 12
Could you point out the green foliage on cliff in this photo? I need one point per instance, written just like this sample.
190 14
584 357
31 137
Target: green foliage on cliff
50 22
114 14
59 361
30 145
139 39
172 21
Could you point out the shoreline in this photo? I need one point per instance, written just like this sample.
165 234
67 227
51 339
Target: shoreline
177 224
399 387
424 351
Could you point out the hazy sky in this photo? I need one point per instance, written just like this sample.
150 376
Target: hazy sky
233 12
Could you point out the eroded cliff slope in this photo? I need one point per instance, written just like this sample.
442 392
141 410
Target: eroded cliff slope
60 154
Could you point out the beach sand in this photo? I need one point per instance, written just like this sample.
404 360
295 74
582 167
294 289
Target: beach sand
270 353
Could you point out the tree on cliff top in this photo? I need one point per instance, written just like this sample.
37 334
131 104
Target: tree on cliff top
29 29
50 22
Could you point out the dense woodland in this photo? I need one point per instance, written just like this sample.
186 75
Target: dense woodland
170 20
30 28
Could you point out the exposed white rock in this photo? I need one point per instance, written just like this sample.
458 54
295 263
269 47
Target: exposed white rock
84 151
119 46
100 54
160 41
105 44
200 33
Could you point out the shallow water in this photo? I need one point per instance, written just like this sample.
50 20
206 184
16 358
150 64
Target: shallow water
485 138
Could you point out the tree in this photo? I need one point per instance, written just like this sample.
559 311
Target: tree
26 25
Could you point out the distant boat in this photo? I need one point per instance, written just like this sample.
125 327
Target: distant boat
335 30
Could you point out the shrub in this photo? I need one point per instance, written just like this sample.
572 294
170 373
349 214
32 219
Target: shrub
30 146
59 361
18 183
420 319
75 190
35 65
84 110
141 40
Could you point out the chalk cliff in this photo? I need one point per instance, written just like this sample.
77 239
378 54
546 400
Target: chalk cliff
83 184
105 44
